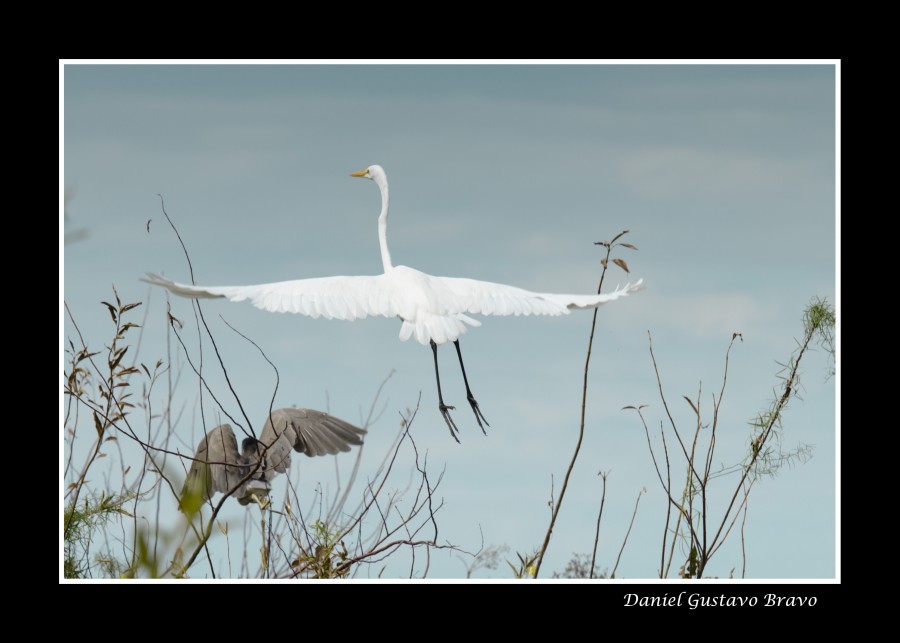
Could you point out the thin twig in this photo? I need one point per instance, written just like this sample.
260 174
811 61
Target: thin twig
743 541
369 420
667 487
587 362
779 406
666 405
627 533
599 516
199 311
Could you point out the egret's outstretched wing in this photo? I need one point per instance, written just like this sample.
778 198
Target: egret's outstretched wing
345 298
217 465
305 431
488 298
393 294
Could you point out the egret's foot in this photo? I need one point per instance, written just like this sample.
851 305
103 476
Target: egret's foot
445 411
479 416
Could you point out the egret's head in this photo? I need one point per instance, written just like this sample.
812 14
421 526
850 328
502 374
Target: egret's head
373 172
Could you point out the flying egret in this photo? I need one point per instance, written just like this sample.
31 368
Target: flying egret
432 309
218 467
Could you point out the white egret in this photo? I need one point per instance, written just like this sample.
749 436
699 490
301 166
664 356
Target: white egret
431 309
218 467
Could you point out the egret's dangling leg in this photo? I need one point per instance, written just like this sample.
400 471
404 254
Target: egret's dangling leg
478 415
445 410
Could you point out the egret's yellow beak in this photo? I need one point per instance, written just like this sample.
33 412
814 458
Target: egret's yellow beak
362 173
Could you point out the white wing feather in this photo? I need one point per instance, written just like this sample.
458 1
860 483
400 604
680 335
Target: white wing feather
487 298
432 308
345 298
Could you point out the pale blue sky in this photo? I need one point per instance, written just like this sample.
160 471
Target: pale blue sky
723 174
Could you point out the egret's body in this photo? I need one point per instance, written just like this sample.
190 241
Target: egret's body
434 310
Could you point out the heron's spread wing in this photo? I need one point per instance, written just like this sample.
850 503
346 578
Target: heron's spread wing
487 298
345 298
305 431
216 466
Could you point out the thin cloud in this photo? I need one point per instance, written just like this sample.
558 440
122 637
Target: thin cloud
678 171
703 315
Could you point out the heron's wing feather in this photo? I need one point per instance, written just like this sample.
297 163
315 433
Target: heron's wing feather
488 298
345 298
307 431
277 438
216 466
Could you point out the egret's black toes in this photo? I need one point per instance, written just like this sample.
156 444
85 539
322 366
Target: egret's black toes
479 416
445 411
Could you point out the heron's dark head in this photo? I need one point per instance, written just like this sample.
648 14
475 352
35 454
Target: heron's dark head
249 447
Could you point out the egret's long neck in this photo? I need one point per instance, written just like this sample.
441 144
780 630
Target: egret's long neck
382 225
